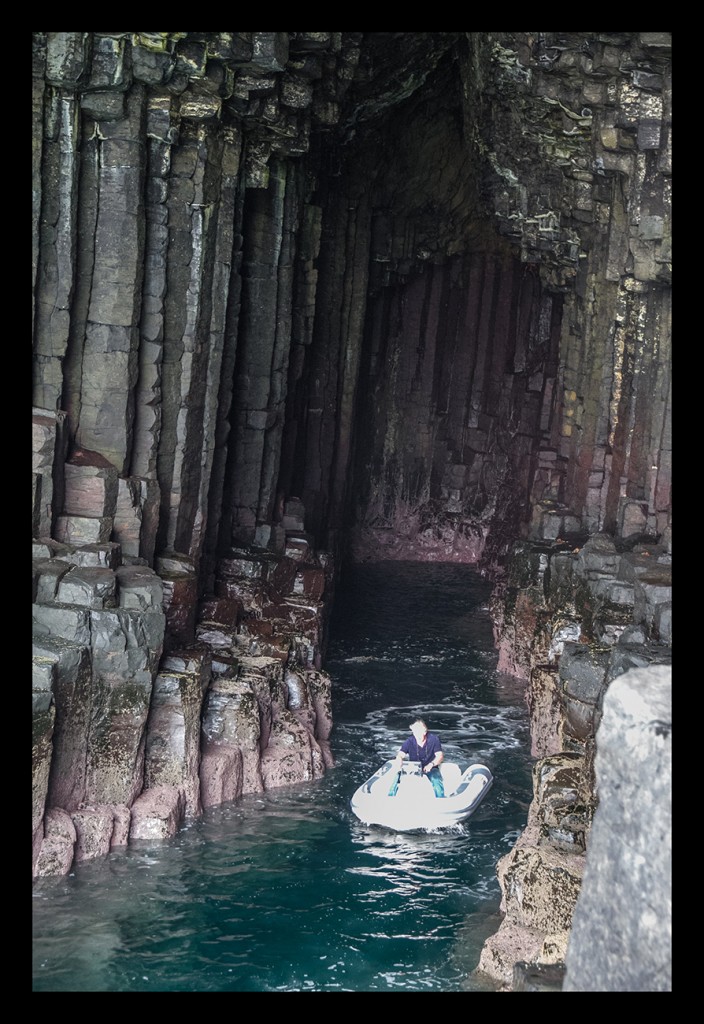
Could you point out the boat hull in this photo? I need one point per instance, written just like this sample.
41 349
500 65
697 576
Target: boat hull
415 806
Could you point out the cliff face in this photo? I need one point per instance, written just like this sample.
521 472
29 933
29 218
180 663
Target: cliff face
303 296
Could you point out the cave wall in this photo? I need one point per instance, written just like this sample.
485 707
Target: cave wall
521 389
299 296
245 244
593 111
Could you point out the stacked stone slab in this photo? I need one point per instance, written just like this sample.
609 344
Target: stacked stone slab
150 705
577 623
101 631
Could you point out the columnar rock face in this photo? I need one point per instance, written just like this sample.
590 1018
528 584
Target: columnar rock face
304 295
593 111
582 626
419 281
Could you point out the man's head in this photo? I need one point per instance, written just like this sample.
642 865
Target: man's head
419 729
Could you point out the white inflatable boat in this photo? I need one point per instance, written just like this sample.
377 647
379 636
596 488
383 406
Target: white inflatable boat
415 805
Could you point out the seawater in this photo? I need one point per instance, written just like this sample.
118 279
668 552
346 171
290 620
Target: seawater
287 891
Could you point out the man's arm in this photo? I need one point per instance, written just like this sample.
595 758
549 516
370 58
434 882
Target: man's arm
402 755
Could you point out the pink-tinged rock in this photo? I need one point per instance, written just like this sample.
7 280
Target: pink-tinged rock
71 687
225 611
56 852
516 638
292 755
94 829
180 603
320 688
221 775
255 595
90 486
121 819
257 627
43 717
158 813
297 547
232 720
244 566
172 753
136 516
264 641
309 582
507 661
296 615
442 542
282 575
299 699
326 753
309 700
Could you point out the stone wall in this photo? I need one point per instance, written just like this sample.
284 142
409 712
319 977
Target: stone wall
590 630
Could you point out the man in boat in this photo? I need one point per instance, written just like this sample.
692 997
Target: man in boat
425 747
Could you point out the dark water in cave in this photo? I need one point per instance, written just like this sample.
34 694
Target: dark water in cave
288 891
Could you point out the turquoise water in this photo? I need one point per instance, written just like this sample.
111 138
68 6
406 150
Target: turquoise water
288 891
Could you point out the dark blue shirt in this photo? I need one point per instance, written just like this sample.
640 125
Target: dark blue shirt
425 753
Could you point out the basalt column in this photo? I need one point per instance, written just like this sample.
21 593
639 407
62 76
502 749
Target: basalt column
322 412
457 376
578 138
200 212
271 220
